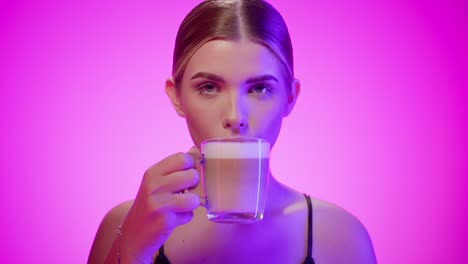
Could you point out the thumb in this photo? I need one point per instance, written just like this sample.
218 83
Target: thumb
195 153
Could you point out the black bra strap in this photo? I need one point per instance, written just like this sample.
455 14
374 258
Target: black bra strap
161 258
309 259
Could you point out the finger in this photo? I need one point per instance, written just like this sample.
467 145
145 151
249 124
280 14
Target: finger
185 202
165 223
173 163
179 202
184 217
197 156
177 181
195 153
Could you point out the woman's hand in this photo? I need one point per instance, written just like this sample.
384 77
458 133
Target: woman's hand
160 205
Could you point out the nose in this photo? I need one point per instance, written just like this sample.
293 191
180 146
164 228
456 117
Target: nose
235 117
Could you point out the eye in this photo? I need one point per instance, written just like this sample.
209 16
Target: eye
260 89
207 88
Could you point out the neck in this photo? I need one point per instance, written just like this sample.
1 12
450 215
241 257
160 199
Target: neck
279 196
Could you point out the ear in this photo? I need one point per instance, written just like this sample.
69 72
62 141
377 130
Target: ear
174 96
292 97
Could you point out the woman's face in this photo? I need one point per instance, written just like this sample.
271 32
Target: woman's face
233 88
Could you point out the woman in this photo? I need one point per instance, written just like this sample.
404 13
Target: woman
232 76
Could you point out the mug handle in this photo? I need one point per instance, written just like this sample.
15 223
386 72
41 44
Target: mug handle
203 200
201 162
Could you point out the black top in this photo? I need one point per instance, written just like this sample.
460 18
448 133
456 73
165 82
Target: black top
162 259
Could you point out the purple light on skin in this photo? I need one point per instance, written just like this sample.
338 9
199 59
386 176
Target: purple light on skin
381 139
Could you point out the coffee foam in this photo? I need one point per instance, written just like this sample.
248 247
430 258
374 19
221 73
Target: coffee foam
236 150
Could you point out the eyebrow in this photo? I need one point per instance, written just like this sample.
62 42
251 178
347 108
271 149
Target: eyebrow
216 78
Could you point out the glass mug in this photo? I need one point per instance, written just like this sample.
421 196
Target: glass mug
235 173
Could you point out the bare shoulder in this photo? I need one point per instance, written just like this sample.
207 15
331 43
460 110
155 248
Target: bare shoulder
107 232
339 236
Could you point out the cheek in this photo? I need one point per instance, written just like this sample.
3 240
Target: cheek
201 121
268 123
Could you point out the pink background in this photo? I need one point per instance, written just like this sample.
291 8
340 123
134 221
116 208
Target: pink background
379 128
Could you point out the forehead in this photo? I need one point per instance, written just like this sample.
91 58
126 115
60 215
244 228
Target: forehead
235 61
